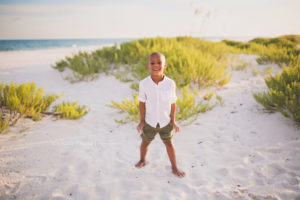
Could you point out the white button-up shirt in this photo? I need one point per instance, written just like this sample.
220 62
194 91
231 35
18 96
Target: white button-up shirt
158 99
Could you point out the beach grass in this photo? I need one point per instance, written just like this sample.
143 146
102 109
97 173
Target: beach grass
188 107
192 62
70 110
284 92
26 100
280 50
189 60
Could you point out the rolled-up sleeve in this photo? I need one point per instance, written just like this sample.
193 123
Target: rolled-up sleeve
173 93
142 93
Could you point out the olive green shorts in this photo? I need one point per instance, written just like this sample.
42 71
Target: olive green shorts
149 132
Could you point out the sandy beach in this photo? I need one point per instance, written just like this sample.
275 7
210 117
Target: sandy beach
236 151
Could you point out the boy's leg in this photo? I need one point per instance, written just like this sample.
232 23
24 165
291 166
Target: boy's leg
147 136
171 153
143 152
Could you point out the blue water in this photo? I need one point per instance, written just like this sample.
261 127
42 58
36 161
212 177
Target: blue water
17 45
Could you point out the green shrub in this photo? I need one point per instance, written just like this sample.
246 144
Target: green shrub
220 100
131 107
186 107
26 100
85 66
255 72
284 92
3 123
280 50
268 70
70 110
190 60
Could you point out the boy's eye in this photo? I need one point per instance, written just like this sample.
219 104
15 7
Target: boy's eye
152 63
159 63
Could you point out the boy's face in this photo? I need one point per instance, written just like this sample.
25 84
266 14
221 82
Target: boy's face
156 65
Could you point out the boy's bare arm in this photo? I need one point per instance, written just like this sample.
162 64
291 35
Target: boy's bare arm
173 107
142 117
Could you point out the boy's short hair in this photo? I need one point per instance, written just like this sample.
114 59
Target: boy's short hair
157 54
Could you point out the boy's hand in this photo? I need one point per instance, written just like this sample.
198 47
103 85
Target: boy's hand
176 128
140 127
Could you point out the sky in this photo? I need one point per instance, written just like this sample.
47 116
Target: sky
52 19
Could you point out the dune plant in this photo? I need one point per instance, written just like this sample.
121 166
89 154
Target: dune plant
284 92
131 107
70 110
279 50
220 100
3 123
255 72
84 66
190 60
268 70
186 107
24 100
208 94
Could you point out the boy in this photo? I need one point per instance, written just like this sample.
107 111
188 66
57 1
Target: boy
157 97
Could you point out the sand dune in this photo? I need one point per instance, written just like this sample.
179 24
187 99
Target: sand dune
236 151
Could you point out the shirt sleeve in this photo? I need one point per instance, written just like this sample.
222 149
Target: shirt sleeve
142 93
173 94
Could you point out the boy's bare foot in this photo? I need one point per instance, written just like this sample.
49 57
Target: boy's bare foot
178 173
140 164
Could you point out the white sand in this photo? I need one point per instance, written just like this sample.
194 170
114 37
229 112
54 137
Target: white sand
236 151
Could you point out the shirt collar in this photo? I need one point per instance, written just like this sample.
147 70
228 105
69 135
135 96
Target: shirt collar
160 82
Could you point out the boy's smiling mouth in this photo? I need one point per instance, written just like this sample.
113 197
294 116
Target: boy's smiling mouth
156 69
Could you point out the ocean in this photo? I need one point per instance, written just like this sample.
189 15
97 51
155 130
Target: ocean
20 45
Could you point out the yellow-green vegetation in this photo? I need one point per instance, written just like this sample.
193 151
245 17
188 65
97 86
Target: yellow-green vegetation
186 107
284 92
280 50
237 63
190 60
24 100
3 123
284 89
131 107
268 70
208 94
220 100
255 72
85 66
70 110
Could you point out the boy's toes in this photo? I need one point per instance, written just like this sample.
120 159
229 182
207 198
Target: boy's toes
179 173
140 164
